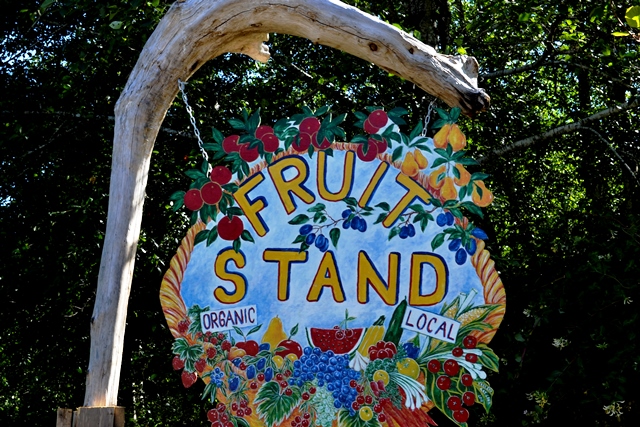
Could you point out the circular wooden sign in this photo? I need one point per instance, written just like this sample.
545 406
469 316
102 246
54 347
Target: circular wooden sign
328 283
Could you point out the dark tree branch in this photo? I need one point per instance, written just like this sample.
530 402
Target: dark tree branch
561 130
613 149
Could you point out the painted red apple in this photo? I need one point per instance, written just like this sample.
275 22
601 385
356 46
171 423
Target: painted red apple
371 153
378 118
221 175
309 125
369 127
230 229
271 143
261 131
302 142
382 145
320 145
193 199
291 347
211 193
249 154
250 347
230 144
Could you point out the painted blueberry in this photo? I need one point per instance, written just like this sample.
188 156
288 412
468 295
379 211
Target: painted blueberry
362 225
441 220
346 224
454 245
346 213
450 218
404 232
471 247
412 230
306 229
311 237
461 256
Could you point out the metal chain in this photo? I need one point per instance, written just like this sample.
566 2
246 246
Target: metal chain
427 118
181 86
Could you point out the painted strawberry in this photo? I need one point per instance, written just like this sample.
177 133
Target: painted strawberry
177 363
188 379
200 365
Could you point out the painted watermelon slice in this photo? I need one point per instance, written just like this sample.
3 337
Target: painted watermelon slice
340 341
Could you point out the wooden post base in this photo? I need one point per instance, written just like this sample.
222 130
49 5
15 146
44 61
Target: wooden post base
86 416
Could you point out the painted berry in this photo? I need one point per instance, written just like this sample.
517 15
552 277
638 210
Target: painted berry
457 352
249 154
434 366
470 341
473 358
461 415
454 402
451 367
378 118
188 378
469 398
177 363
443 382
466 379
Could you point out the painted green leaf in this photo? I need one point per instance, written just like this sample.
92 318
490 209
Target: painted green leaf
273 407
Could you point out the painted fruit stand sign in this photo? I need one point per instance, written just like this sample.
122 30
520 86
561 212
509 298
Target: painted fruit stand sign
327 283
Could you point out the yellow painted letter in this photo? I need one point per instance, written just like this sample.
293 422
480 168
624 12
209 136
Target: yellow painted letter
252 207
328 276
347 177
295 185
284 258
237 279
415 190
368 275
442 279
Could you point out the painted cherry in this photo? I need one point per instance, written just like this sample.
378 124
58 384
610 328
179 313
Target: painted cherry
451 367
443 382
461 415
454 402
193 199
220 174
466 379
230 228
457 352
320 145
470 341
473 358
211 193
434 366
469 398
270 142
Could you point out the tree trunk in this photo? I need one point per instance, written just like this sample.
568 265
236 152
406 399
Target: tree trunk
191 33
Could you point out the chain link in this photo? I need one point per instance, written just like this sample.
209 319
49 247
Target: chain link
427 118
181 86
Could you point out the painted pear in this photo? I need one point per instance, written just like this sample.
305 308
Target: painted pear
440 139
448 190
433 177
481 196
456 138
409 165
465 176
274 333
421 160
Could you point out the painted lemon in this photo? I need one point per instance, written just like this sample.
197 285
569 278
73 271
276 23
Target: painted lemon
278 361
381 375
365 413
409 367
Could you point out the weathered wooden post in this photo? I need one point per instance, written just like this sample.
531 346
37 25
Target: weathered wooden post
191 33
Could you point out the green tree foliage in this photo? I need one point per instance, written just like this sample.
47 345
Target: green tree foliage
564 229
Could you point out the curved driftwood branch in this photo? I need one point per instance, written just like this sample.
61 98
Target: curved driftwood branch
191 33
